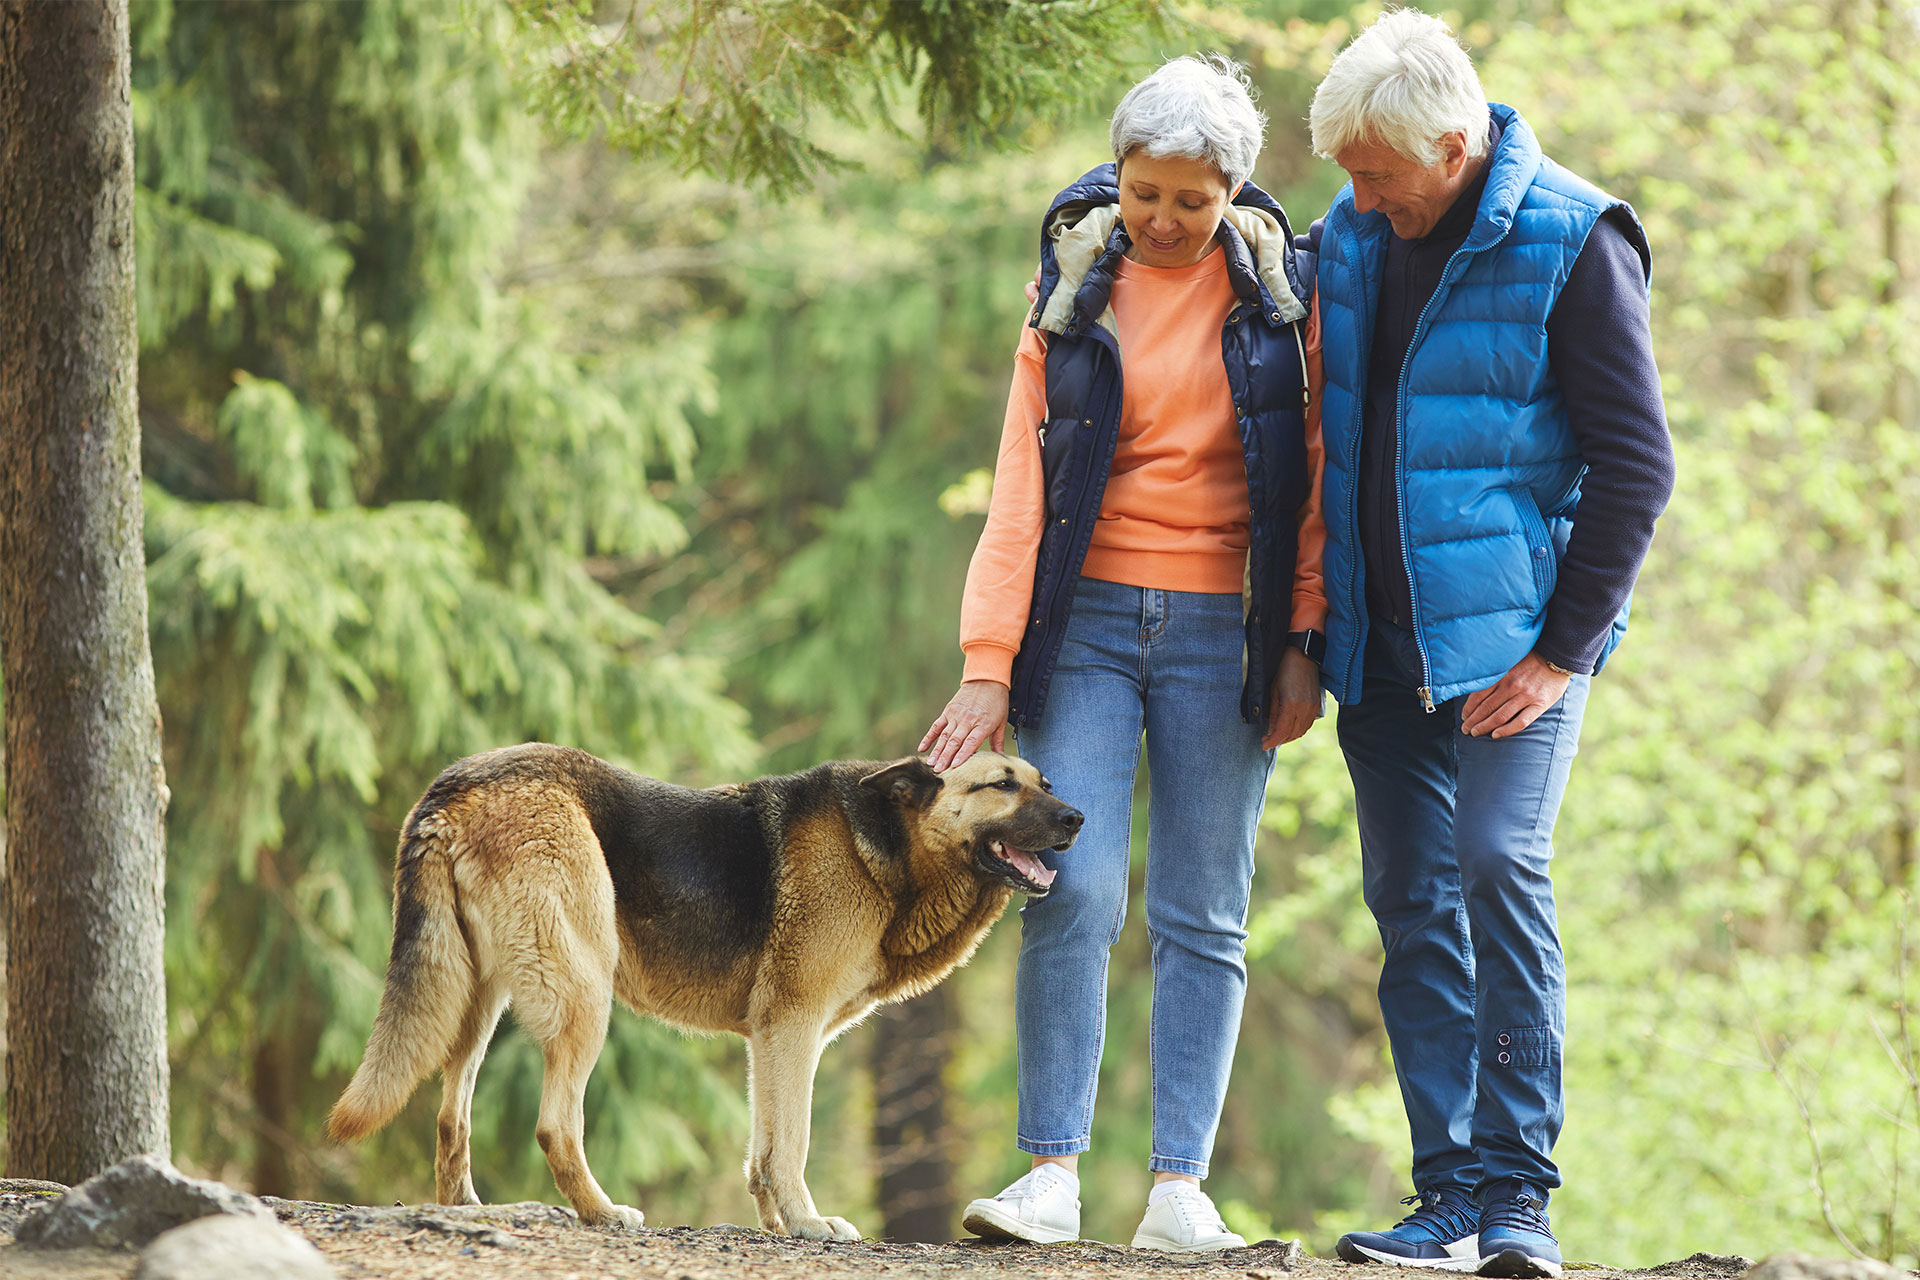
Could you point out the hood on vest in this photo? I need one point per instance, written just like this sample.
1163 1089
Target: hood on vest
1083 238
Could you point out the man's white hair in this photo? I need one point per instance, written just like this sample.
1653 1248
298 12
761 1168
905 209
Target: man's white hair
1194 109
1404 83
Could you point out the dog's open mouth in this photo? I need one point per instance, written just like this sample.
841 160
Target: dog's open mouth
1022 867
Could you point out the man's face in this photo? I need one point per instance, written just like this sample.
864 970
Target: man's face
1413 196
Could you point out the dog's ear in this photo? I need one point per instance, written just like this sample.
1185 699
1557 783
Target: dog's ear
910 782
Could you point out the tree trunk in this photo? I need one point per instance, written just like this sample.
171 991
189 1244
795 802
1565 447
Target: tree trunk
912 1045
273 1109
86 994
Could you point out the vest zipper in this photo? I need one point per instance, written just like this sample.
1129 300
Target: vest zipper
1306 392
1425 691
1251 654
1080 495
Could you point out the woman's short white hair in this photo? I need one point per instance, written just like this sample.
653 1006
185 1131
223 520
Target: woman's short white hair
1194 109
1404 83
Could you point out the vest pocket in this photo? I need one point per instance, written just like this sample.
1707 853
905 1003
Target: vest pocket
1539 544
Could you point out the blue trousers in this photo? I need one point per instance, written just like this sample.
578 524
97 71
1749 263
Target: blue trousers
1456 834
1167 664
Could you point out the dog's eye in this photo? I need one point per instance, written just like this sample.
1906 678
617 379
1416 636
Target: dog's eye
1007 784
1046 786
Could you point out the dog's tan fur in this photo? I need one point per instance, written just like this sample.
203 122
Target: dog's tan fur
506 893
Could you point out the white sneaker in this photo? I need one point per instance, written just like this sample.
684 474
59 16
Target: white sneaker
1185 1221
1042 1206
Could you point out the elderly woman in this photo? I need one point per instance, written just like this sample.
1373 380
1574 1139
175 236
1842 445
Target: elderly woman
1137 574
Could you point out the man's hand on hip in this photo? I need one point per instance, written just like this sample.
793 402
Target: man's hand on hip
1516 702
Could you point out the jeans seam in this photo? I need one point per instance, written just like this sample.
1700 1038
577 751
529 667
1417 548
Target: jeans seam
1121 923
1463 921
1113 936
1553 760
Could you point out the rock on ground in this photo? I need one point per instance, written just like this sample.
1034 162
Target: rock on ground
31 1187
1798 1266
224 1247
131 1203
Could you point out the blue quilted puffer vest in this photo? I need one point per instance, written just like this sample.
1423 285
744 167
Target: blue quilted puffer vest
1487 465
1262 345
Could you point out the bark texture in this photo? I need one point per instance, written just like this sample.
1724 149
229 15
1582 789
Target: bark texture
912 1045
85 795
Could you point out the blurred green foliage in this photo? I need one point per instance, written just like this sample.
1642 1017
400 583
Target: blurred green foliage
461 432
742 87
374 479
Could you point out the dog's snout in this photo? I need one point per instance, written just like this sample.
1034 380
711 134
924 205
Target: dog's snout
1071 818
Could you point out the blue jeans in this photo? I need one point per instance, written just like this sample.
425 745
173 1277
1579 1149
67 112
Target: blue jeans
1166 663
1455 837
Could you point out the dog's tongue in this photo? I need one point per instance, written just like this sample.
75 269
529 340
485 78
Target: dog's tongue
1029 866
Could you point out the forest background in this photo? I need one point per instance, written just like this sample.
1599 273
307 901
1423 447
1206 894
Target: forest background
462 426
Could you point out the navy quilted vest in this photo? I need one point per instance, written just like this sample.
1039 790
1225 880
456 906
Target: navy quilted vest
1262 345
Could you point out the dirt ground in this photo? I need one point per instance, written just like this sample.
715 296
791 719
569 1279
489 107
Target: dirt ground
534 1241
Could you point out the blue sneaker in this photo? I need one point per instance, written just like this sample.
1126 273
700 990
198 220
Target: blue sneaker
1442 1233
1515 1240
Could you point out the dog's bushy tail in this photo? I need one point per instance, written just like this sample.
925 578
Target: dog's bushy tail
430 980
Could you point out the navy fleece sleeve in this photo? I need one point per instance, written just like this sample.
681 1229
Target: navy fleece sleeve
1601 349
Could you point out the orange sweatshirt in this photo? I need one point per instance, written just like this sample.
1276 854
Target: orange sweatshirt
1174 515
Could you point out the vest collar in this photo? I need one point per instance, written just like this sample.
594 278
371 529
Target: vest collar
1083 238
1511 169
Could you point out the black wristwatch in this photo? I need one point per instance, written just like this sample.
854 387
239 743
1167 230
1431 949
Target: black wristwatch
1311 643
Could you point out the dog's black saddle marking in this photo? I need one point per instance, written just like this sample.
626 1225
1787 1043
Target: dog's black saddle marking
695 861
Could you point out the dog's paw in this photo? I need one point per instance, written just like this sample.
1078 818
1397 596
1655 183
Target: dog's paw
823 1229
619 1217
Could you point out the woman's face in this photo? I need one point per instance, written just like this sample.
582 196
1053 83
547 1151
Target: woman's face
1172 206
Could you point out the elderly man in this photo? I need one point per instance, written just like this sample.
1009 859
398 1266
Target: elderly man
1496 455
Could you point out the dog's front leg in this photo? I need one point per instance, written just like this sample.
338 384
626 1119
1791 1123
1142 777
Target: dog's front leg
783 1057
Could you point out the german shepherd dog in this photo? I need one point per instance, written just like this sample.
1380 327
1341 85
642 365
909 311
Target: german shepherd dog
782 910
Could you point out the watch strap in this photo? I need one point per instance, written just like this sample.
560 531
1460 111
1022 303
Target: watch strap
1310 642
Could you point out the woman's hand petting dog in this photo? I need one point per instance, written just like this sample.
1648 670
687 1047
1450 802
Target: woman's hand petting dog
976 714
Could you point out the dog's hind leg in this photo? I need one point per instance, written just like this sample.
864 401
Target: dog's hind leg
570 1057
452 1158
784 1057
563 995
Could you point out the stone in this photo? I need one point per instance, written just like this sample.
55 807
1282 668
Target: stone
31 1187
131 1203
1798 1266
224 1247
1290 1252
1705 1264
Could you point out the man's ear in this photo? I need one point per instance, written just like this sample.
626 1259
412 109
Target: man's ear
910 782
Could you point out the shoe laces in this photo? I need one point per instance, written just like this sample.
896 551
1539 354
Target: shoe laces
1448 1217
1521 1212
1036 1182
1195 1209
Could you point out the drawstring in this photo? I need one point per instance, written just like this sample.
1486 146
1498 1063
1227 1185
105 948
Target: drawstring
1306 401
